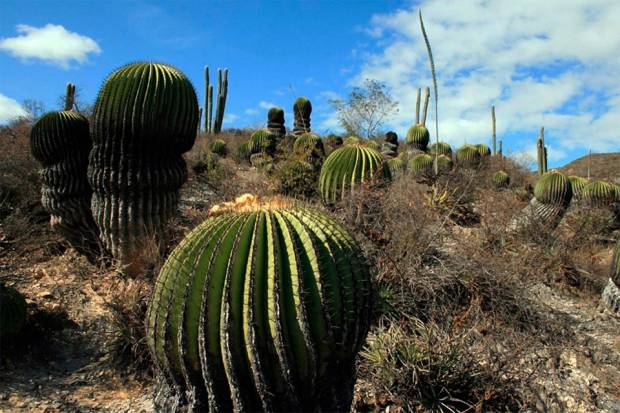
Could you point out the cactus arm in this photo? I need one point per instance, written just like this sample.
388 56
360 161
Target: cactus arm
417 106
494 135
427 95
207 102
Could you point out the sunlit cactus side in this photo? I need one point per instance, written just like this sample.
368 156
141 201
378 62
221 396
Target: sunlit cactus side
390 145
445 163
348 167
468 156
275 122
577 184
61 142
483 150
302 109
501 179
263 141
13 312
351 140
611 294
601 193
440 148
552 196
262 307
421 165
136 165
396 166
218 146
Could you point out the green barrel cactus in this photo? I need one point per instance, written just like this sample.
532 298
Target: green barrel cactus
351 140
275 122
347 167
218 147
371 144
13 312
483 150
445 163
61 142
601 193
263 141
611 294
418 137
396 166
500 179
302 109
468 156
262 307
440 148
552 196
146 115
421 165
262 161
309 143
577 184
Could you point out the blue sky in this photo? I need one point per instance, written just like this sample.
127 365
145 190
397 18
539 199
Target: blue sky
553 64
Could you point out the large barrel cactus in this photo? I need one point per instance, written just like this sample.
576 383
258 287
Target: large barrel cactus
396 166
468 156
577 184
483 150
418 137
262 307
421 165
61 142
275 122
500 179
552 196
13 312
601 193
302 109
263 141
441 148
611 294
347 167
146 116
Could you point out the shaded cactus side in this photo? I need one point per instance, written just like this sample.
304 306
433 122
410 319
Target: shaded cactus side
577 184
136 166
445 163
302 109
275 122
389 148
218 146
501 179
468 156
601 193
552 196
13 312
440 148
611 294
262 141
263 307
483 150
61 142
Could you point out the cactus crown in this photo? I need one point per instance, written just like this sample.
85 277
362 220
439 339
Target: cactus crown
483 149
468 156
275 115
501 179
262 307
601 193
441 148
553 188
57 134
153 103
347 167
218 146
418 137
421 164
351 140
302 107
396 166
308 142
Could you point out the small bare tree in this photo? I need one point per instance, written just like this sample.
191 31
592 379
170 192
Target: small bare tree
366 109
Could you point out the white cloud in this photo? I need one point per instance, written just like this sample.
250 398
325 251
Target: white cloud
549 63
251 111
266 105
52 43
230 118
10 109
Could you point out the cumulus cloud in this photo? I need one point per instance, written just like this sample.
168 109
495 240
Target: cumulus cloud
10 109
266 105
52 43
546 63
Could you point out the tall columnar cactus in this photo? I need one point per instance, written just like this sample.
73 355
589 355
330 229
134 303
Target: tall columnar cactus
483 149
421 165
390 145
577 184
222 94
275 122
494 130
468 156
61 142
145 118
302 109
601 193
611 294
552 196
441 148
347 167
541 151
13 312
418 135
501 179
70 97
262 307
263 141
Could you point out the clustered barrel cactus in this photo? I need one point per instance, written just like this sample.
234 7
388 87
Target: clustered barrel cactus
302 109
12 312
145 118
262 307
501 179
218 147
601 193
263 141
440 148
552 196
611 294
396 166
347 167
421 165
577 184
468 156
61 142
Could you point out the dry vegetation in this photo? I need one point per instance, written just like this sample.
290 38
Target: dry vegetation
470 315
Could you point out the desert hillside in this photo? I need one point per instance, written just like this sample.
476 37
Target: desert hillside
604 166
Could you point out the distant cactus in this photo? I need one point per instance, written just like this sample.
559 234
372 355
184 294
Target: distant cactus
333 141
601 193
275 122
218 146
309 142
483 150
222 94
136 166
263 141
421 165
441 148
417 135
242 153
611 294
445 163
297 178
347 167
577 184
396 166
262 161
390 145
12 312
351 140
468 156
61 142
262 307
302 109
501 179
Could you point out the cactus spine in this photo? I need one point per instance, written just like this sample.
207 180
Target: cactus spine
136 166
262 307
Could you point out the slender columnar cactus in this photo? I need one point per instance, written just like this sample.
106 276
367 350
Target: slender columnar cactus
12 312
199 120
577 184
396 166
145 119
494 134
501 179
302 109
208 101
441 148
275 122
421 165
263 141
611 294
500 151
70 97
444 163
390 145
222 94
262 307
61 142
209 120
468 156
552 196
218 146
347 167
601 193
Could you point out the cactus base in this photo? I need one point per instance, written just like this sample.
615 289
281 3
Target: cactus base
611 297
